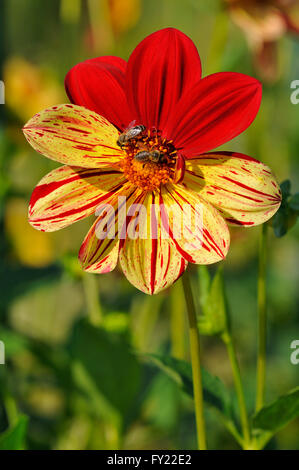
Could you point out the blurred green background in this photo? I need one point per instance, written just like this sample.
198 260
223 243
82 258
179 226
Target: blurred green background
76 363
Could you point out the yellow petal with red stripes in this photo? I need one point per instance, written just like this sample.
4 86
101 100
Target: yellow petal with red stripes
105 260
150 261
198 230
74 135
243 189
68 194
99 250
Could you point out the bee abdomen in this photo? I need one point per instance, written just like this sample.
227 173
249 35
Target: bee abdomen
155 156
142 156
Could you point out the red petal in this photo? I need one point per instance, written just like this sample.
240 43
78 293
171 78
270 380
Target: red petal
216 110
160 70
98 84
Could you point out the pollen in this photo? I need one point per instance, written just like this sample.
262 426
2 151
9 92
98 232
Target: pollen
146 173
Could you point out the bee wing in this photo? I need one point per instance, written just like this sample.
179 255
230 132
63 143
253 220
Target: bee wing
132 124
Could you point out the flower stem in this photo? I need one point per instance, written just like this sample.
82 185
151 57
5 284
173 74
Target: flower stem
11 409
177 321
195 361
227 338
92 298
262 320
70 11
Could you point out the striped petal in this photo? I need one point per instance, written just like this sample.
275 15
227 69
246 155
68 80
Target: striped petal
68 194
74 135
104 259
243 189
99 250
151 261
195 226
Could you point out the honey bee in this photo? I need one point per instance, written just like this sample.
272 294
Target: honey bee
130 133
153 156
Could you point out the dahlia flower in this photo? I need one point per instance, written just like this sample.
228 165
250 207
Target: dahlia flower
182 117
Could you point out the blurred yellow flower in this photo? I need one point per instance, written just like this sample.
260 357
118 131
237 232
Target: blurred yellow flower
28 87
123 15
32 248
109 19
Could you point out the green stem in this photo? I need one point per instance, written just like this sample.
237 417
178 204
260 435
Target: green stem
92 298
231 427
227 338
262 320
70 11
177 321
195 361
11 409
144 316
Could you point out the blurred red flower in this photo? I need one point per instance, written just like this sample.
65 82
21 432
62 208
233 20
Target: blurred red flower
264 22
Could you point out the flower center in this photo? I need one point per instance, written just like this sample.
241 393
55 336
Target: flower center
150 160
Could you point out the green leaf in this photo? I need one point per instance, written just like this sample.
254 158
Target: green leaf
14 342
285 187
105 369
13 438
278 414
284 219
280 222
286 216
215 392
212 300
162 404
294 202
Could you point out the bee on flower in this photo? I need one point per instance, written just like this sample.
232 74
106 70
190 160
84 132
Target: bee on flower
156 104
